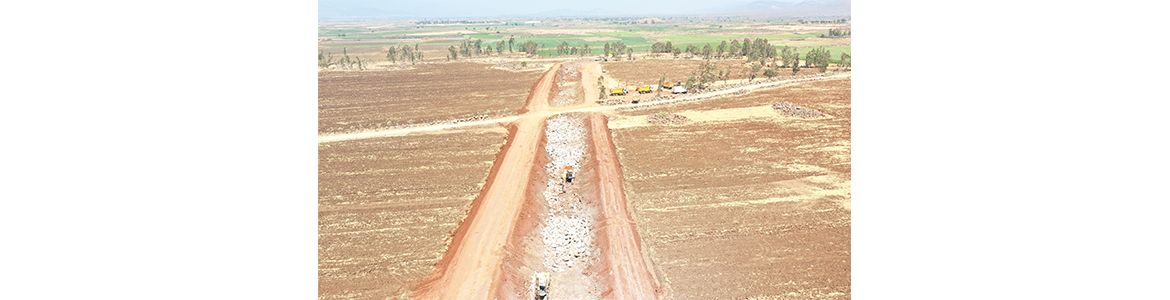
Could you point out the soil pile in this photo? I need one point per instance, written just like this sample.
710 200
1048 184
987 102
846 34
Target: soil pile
666 118
789 109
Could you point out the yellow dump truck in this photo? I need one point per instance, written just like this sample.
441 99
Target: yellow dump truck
645 89
617 92
666 86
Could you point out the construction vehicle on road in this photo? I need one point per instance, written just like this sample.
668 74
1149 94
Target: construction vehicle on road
645 89
617 92
666 86
539 288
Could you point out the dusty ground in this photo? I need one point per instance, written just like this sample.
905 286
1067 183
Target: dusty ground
386 207
831 96
648 71
471 269
753 207
365 100
625 270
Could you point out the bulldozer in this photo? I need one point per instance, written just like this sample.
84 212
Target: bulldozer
539 288
617 92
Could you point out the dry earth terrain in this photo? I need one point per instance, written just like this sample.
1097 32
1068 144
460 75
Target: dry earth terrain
758 207
387 207
649 71
365 100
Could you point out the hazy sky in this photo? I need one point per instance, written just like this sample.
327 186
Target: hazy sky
472 8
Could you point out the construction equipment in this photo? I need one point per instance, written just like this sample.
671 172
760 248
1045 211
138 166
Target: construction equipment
539 288
617 92
567 174
679 90
666 86
645 89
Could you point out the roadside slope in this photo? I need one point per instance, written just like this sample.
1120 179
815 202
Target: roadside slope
472 267
628 275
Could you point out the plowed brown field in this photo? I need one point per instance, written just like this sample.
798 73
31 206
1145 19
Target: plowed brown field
753 208
365 100
831 96
648 71
386 207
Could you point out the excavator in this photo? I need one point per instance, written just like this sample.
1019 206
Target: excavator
540 282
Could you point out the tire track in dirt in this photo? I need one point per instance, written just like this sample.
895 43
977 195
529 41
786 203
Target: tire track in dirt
623 267
472 267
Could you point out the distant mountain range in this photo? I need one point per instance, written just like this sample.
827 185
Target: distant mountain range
772 8
368 10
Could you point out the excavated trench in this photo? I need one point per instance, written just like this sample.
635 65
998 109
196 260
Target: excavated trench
528 219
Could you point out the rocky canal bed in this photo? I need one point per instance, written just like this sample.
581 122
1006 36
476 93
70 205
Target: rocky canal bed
567 233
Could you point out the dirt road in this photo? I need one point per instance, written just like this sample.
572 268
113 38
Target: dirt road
590 93
628 274
471 268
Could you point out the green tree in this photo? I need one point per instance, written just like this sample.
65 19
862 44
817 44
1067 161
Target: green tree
510 41
707 51
824 66
795 63
734 49
660 82
770 72
585 50
719 49
707 74
845 60
601 87
607 49
454 54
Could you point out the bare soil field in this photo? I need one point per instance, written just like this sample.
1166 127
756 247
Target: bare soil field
831 96
648 71
368 100
387 207
752 208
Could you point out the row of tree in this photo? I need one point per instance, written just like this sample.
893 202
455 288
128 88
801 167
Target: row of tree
404 53
837 33
750 49
708 72
345 62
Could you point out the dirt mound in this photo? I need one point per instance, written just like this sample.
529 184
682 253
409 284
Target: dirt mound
667 118
789 109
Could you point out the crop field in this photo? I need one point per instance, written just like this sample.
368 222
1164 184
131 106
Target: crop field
365 100
386 207
679 31
765 214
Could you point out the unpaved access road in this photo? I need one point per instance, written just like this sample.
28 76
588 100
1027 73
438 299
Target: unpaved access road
628 275
590 93
471 267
